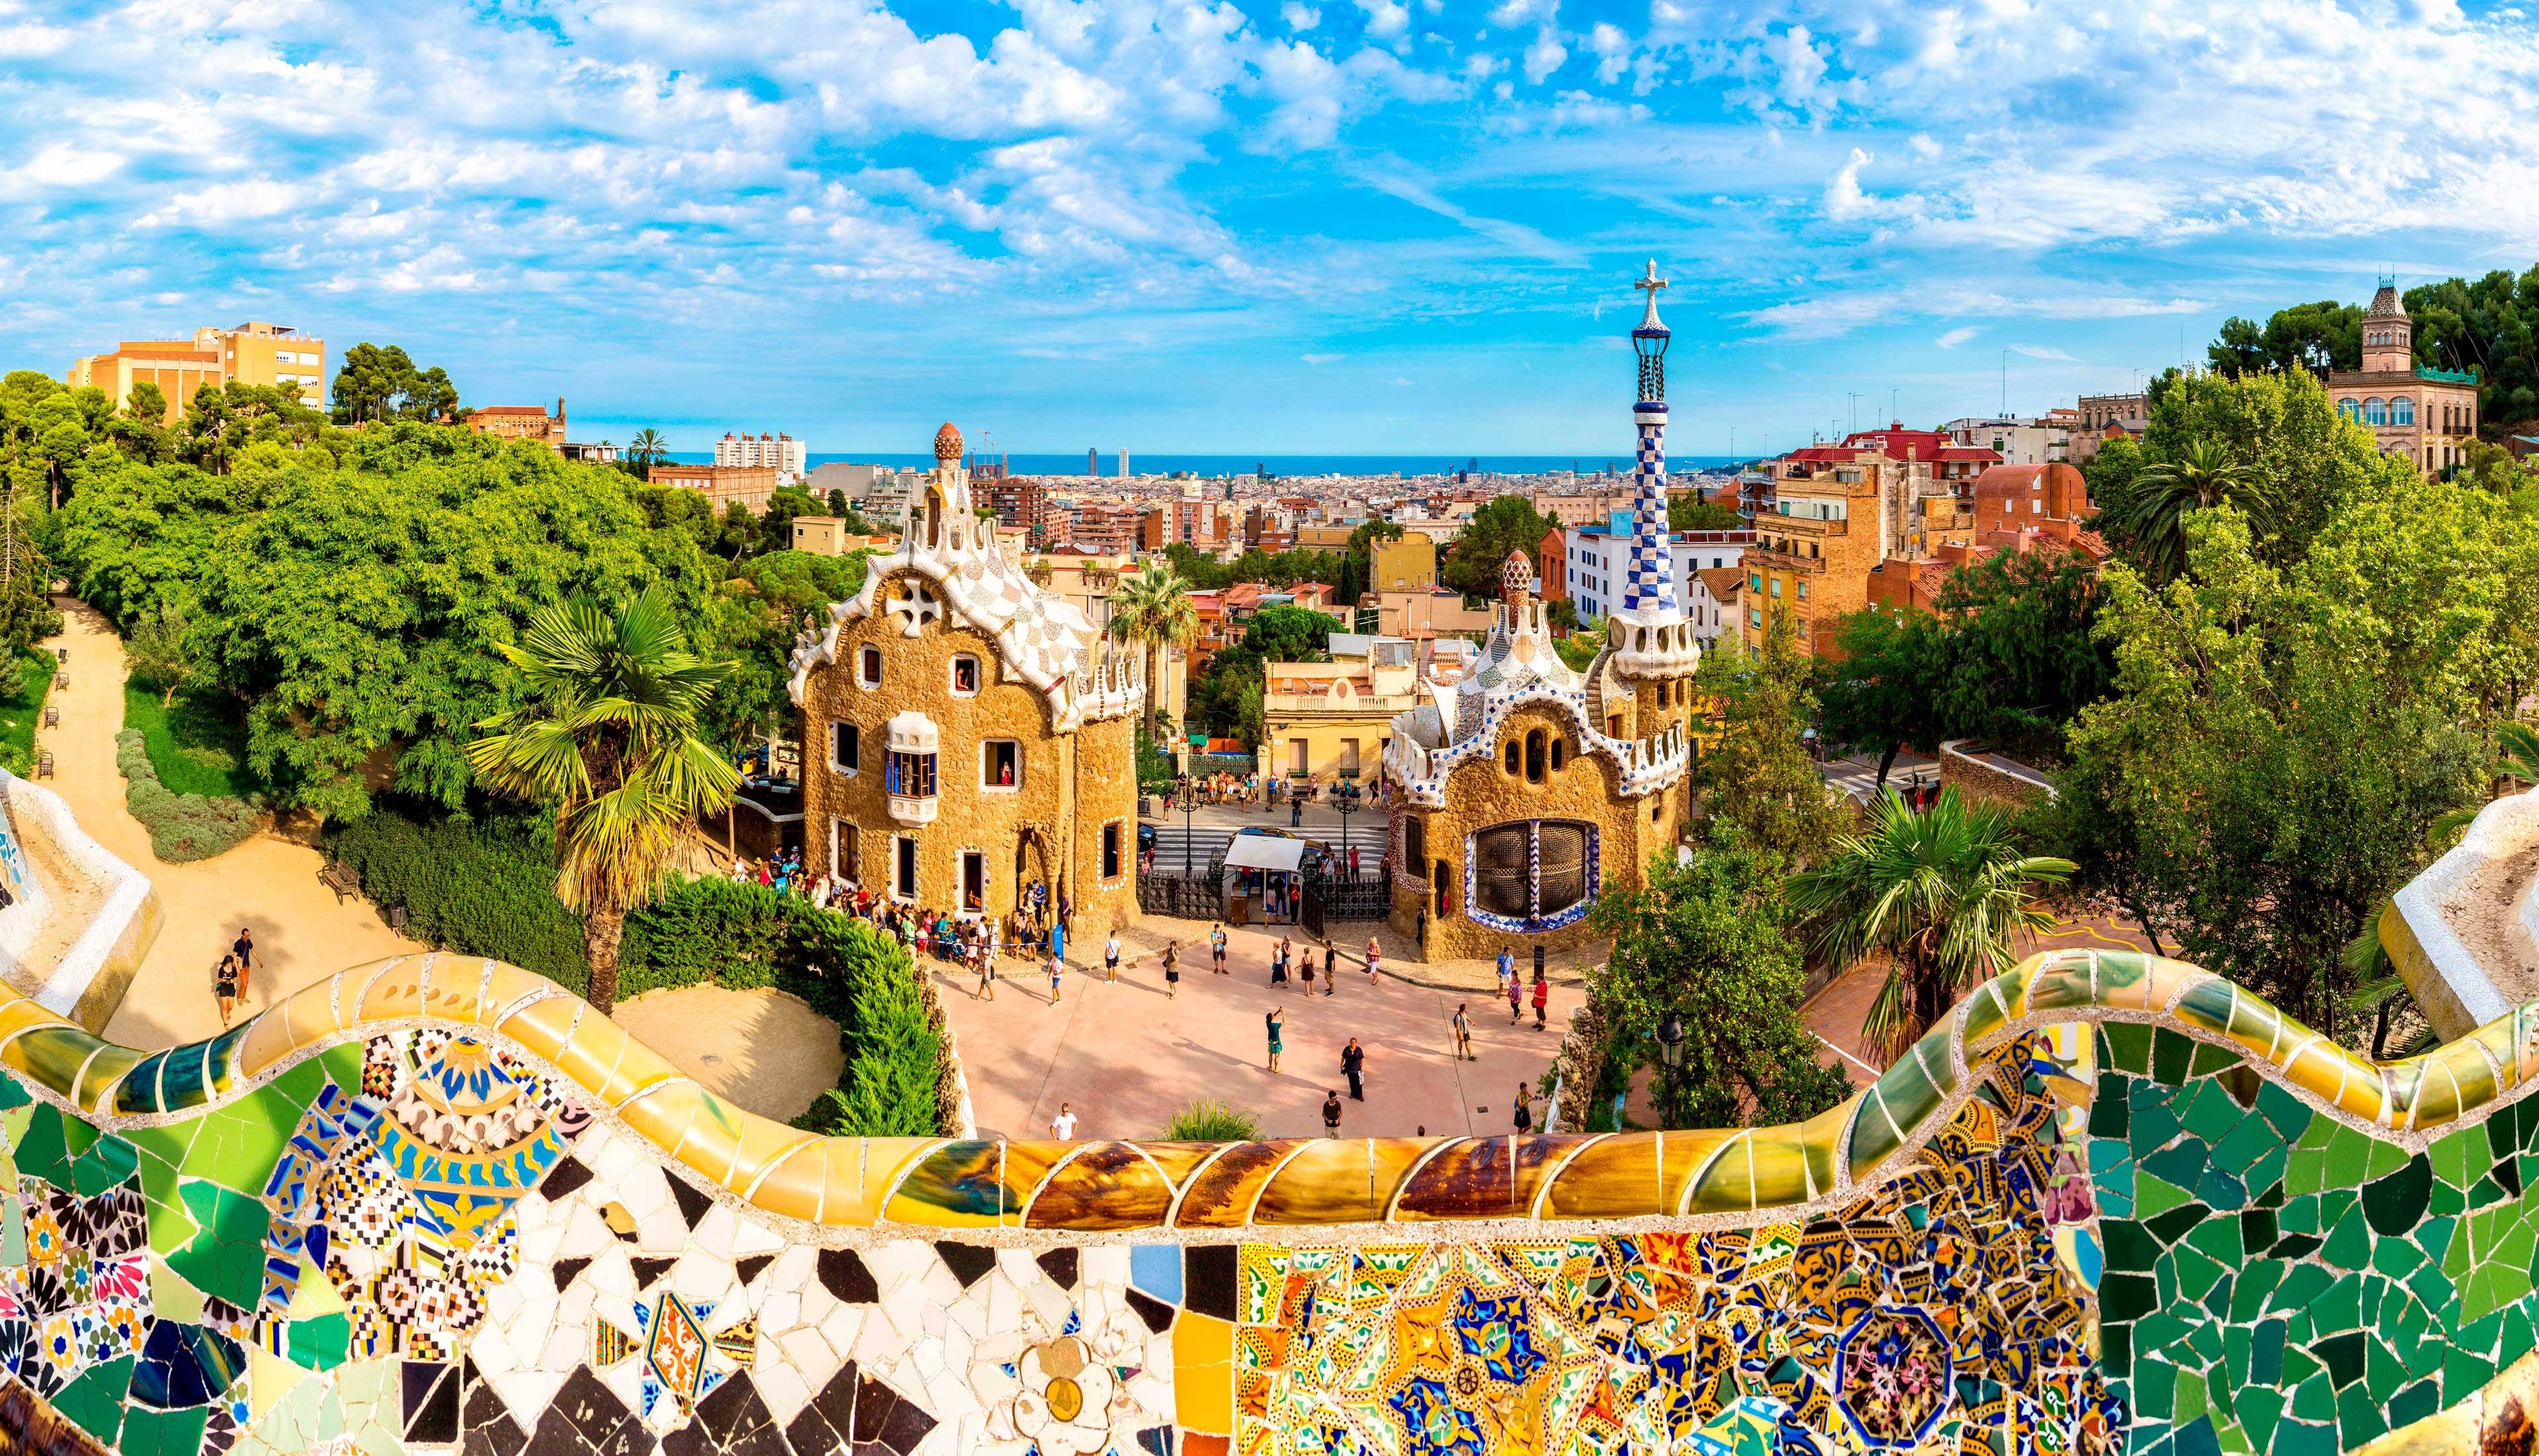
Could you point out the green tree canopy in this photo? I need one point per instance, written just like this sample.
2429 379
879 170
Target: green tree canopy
1478 554
1760 777
1688 511
374 385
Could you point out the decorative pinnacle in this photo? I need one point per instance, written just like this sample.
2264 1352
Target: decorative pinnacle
1652 282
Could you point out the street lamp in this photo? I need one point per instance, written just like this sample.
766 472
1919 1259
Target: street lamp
1670 1037
1182 792
1347 799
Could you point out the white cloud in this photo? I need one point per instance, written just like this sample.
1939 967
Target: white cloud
1545 55
1386 20
2039 351
1321 359
1956 336
1612 47
1299 16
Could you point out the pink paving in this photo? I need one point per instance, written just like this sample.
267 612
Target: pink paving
1124 1057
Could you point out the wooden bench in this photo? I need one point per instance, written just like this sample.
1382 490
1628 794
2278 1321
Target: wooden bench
44 764
339 878
53 716
61 680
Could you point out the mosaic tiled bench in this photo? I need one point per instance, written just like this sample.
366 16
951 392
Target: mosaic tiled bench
436 1204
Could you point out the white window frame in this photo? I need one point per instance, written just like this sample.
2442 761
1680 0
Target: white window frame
989 785
868 671
952 674
835 766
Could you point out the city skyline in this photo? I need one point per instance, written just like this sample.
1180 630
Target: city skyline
1396 226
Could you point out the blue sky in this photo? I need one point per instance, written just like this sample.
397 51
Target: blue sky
1251 226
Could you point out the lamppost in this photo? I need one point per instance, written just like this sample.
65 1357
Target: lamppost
1182 792
1670 1037
1347 799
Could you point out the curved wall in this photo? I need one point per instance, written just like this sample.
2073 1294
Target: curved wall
88 981
436 1203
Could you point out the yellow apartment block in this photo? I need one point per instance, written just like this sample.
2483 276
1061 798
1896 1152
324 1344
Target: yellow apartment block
1331 721
1407 564
251 353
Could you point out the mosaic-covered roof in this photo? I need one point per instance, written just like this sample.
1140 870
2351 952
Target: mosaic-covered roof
949 559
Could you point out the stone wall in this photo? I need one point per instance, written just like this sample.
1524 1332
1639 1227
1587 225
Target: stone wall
1975 779
2112 1204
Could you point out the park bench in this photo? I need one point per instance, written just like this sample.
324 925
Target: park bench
339 878
61 680
53 716
44 764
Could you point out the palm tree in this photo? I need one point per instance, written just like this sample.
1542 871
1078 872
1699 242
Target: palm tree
647 448
1153 606
1941 892
2166 492
609 740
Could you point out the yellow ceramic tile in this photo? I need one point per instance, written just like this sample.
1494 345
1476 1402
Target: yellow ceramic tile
269 1377
545 1027
791 1184
455 989
862 1172
268 1041
1203 1373
387 989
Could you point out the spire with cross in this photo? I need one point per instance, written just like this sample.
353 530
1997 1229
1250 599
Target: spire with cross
1651 584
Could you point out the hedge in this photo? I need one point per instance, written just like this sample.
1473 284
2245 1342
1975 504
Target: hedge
182 826
487 888
481 888
21 706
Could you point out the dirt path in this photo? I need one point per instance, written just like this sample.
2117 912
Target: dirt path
267 884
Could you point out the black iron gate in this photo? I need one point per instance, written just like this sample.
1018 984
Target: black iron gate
1344 898
1198 896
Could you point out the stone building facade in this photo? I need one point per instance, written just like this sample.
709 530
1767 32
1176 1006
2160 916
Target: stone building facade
969 733
2428 415
1527 788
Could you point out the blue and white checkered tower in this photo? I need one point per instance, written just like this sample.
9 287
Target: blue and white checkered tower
1649 591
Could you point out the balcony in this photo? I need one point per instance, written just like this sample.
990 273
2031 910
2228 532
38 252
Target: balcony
909 770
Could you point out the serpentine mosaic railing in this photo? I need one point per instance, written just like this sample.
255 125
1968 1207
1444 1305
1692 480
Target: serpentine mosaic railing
438 1202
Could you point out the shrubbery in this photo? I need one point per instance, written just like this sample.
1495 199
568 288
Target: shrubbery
182 826
484 887
25 676
487 887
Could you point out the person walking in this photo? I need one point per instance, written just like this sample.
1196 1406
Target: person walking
1063 1126
1374 959
1278 960
1277 1023
1524 1109
243 947
1330 1112
1216 950
1057 974
987 977
1464 1033
1172 970
1353 1066
225 987
1507 968
1516 1000
1542 999
1111 957
1331 967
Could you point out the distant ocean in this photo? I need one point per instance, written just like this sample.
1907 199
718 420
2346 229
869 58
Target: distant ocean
1285 465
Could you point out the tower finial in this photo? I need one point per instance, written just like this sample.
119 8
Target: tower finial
1652 282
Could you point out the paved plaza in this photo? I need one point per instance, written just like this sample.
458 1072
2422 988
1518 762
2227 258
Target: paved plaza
1124 1057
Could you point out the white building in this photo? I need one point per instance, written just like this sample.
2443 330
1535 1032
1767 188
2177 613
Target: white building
2018 441
792 457
1600 561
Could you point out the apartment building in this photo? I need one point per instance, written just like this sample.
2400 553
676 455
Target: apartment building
1599 560
1406 564
520 422
790 457
722 485
1021 502
251 353
2017 441
1323 721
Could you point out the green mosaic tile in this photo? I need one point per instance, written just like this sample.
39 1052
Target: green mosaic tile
2249 1140
2217 1239
2314 1399
2302 1438
2128 1047
2518 1337
2260 1407
2109 1112
2155 1384
2349 1243
2195 1272
2257 1281
2291 1116
2238 1348
2155 1196
2209 1059
41 1149
2170 1054
94 1400
2341 1307
2208 1112
2394 1202
148 1433
2465 1370
343 1064
237 1146
2397 1257
2222 1190
11 1093
319 1343
2435 1287
2190 1402
2258 1231
225 1257
2181 1162
2153 1123
2415 1402
2358 1418
2461 1159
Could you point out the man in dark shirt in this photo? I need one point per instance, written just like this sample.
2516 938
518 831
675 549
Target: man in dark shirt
1330 1113
1353 1066
243 947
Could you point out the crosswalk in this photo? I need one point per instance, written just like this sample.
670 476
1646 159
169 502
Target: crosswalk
1194 847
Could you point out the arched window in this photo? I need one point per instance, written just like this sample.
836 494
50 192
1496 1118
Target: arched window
1555 754
1534 749
1513 756
2348 411
2374 412
2402 411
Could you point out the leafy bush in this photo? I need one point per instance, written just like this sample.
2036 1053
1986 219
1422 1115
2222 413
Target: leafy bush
482 887
22 704
1208 1120
182 826
896 1072
736 936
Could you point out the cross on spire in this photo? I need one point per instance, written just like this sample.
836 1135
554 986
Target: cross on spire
1652 282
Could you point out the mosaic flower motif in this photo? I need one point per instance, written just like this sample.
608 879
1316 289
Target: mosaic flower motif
118 1223
58 1343
1064 1407
45 1241
126 1277
125 1323
1500 1333
47 1294
1433 1424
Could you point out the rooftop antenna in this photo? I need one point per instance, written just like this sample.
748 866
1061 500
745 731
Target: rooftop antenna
1855 411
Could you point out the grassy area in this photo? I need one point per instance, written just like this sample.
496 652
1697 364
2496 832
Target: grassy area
20 715
197 743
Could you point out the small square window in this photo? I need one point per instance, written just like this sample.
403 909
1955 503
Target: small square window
1000 765
965 674
868 667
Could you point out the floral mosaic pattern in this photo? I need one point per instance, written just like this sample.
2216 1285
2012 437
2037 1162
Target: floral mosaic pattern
2114 1206
1935 1308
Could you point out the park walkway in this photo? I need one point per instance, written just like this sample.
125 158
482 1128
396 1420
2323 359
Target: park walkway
267 884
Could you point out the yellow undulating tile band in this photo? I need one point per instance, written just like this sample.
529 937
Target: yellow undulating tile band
937 1183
